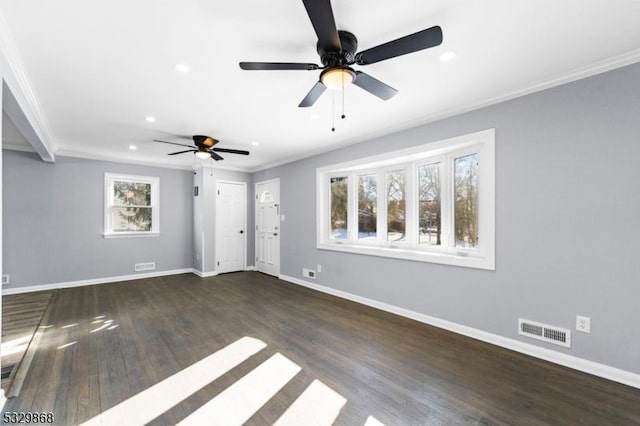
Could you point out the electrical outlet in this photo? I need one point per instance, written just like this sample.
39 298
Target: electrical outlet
583 324
5 279
319 268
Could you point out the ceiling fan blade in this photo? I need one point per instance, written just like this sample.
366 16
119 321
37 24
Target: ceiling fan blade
216 156
270 66
374 86
182 152
174 143
324 23
231 151
408 44
313 95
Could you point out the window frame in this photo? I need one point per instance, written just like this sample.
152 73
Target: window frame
154 181
444 152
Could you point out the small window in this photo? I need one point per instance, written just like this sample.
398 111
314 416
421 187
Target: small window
339 205
466 201
429 208
131 205
396 205
367 208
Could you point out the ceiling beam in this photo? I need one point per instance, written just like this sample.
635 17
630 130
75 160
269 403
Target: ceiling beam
19 100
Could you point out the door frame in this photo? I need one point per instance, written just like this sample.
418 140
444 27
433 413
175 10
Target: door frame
217 224
255 221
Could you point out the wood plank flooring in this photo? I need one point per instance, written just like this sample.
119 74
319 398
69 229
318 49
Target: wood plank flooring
21 314
108 343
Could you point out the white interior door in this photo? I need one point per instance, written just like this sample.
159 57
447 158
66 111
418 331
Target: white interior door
231 220
268 227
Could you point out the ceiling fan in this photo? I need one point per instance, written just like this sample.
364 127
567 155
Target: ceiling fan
337 50
203 148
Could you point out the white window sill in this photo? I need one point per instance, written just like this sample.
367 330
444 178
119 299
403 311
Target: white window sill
468 259
132 235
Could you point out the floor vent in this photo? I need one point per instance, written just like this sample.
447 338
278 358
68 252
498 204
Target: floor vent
149 266
547 333
6 371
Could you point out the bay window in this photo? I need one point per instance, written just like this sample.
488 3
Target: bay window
431 203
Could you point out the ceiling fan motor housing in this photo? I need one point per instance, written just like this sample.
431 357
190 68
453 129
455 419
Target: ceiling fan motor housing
343 57
203 141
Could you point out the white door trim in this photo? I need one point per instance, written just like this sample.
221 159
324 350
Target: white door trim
218 234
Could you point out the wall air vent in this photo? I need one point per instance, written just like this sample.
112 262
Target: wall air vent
309 273
148 266
544 332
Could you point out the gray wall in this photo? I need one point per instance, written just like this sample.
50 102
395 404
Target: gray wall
54 221
567 221
205 215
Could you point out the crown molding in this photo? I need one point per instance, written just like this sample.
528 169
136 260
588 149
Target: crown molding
117 159
101 156
22 89
16 147
599 67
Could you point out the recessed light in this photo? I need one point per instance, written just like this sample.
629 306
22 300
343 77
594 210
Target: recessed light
447 56
133 147
150 119
255 143
181 67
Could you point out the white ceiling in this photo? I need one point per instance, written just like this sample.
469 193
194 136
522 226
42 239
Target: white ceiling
99 67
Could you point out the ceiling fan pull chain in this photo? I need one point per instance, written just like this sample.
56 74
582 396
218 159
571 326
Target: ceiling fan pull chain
343 116
333 111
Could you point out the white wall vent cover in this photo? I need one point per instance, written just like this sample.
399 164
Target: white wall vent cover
544 332
149 266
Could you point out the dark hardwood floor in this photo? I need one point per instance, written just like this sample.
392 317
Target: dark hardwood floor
21 315
108 343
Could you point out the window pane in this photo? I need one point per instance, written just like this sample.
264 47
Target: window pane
131 193
131 219
339 207
396 202
466 200
367 207
429 204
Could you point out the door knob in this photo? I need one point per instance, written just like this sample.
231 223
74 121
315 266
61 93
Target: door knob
241 231
275 234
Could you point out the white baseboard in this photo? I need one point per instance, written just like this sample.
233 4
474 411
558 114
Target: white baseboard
94 281
250 268
204 274
597 369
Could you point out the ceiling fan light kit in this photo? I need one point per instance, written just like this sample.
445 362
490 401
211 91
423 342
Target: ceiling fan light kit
337 78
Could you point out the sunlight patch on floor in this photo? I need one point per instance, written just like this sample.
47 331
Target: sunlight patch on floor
16 345
318 405
152 402
372 421
236 404
66 345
